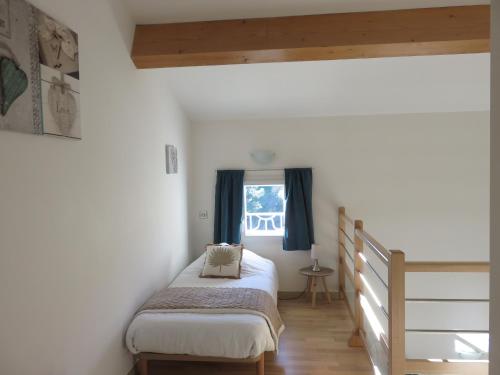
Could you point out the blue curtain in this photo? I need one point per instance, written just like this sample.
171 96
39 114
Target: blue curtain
299 227
228 206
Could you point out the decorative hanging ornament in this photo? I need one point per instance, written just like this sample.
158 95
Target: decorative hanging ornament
62 104
59 36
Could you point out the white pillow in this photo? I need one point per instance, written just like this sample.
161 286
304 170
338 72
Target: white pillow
223 261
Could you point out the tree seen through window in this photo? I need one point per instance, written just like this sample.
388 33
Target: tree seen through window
264 210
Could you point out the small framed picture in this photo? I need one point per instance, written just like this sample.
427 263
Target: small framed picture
171 153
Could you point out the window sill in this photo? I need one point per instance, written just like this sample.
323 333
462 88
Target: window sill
263 235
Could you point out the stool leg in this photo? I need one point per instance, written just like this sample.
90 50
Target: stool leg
313 287
308 288
328 296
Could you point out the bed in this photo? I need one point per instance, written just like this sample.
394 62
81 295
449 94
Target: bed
194 335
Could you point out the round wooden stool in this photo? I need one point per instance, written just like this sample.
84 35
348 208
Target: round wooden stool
312 280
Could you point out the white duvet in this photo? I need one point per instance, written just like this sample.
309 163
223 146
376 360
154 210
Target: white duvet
213 335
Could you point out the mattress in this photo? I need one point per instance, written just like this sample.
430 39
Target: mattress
211 335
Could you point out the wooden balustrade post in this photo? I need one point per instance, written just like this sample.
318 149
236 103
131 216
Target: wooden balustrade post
356 340
341 235
397 329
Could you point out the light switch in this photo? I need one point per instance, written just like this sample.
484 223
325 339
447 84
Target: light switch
203 214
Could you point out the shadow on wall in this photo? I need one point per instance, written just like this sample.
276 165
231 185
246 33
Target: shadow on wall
124 21
115 347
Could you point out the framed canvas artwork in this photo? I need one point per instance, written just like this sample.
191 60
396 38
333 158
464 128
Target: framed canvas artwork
39 72
171 153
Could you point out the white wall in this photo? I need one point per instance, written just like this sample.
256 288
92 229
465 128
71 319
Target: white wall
420 182
495 191
89 229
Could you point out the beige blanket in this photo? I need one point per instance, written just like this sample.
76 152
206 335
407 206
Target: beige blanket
218 301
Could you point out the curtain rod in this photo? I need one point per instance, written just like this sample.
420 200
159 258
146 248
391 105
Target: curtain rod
262 170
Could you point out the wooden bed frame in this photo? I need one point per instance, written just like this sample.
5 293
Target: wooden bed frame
144 358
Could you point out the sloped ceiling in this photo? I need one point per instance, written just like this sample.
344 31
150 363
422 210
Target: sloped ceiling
333 88
453 83
161 11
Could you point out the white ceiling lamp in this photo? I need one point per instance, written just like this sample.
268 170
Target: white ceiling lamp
263 157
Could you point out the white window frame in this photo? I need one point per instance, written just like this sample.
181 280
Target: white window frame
263 233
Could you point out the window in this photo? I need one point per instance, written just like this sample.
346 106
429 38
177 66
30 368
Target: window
264 210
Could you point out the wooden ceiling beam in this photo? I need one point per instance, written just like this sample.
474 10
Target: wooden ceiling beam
414 32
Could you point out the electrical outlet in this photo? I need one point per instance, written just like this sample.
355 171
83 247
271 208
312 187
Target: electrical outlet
203 214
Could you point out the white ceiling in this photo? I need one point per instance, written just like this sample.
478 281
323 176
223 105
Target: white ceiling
453 83
158 11
324 88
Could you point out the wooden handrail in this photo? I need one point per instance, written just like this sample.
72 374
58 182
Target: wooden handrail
356 339
341 239
397 328
374 245
447 267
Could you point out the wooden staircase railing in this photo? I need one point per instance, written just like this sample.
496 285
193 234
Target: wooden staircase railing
361 255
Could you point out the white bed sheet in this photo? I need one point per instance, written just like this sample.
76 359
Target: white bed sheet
214 335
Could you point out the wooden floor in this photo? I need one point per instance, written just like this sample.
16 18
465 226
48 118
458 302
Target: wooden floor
314 343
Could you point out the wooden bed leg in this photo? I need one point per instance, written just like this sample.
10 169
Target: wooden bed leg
260 365
142 366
